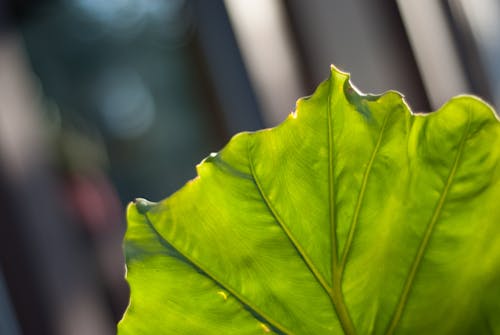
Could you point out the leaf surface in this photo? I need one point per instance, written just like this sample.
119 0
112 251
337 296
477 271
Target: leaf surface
354 216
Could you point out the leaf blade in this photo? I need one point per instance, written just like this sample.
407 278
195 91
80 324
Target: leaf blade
398 197
148 297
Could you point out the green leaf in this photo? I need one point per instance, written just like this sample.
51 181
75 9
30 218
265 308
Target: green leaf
353 216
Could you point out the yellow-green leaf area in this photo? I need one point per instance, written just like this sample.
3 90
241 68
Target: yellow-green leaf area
354 216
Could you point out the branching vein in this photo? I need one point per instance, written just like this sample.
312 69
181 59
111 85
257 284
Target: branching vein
197 265
361 196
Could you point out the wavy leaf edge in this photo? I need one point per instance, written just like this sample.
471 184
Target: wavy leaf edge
356 97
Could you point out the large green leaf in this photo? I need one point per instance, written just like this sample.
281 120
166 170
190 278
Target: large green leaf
353 216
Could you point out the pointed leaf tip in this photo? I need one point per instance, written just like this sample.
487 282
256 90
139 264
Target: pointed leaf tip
354 218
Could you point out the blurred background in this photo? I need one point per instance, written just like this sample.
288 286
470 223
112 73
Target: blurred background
102 101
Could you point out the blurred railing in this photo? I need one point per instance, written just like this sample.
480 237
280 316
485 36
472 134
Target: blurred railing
103 101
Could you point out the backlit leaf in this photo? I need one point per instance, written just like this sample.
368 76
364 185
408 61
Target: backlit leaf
354 216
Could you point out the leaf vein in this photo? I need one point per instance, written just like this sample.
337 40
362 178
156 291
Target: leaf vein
360 199
331 186
426 238
336 295
197 266
300 250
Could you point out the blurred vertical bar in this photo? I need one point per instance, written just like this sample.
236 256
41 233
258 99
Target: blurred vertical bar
50 281
477 25
264 39
468 47
364 38
227 78
8 322
434 48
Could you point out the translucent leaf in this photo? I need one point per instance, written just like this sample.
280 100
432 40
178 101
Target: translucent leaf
353 216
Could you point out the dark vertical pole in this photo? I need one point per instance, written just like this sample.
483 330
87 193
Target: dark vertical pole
225 71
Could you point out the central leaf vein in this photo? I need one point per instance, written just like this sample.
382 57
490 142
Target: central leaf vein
336 294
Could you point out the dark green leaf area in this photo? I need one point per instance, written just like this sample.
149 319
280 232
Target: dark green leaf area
354 216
